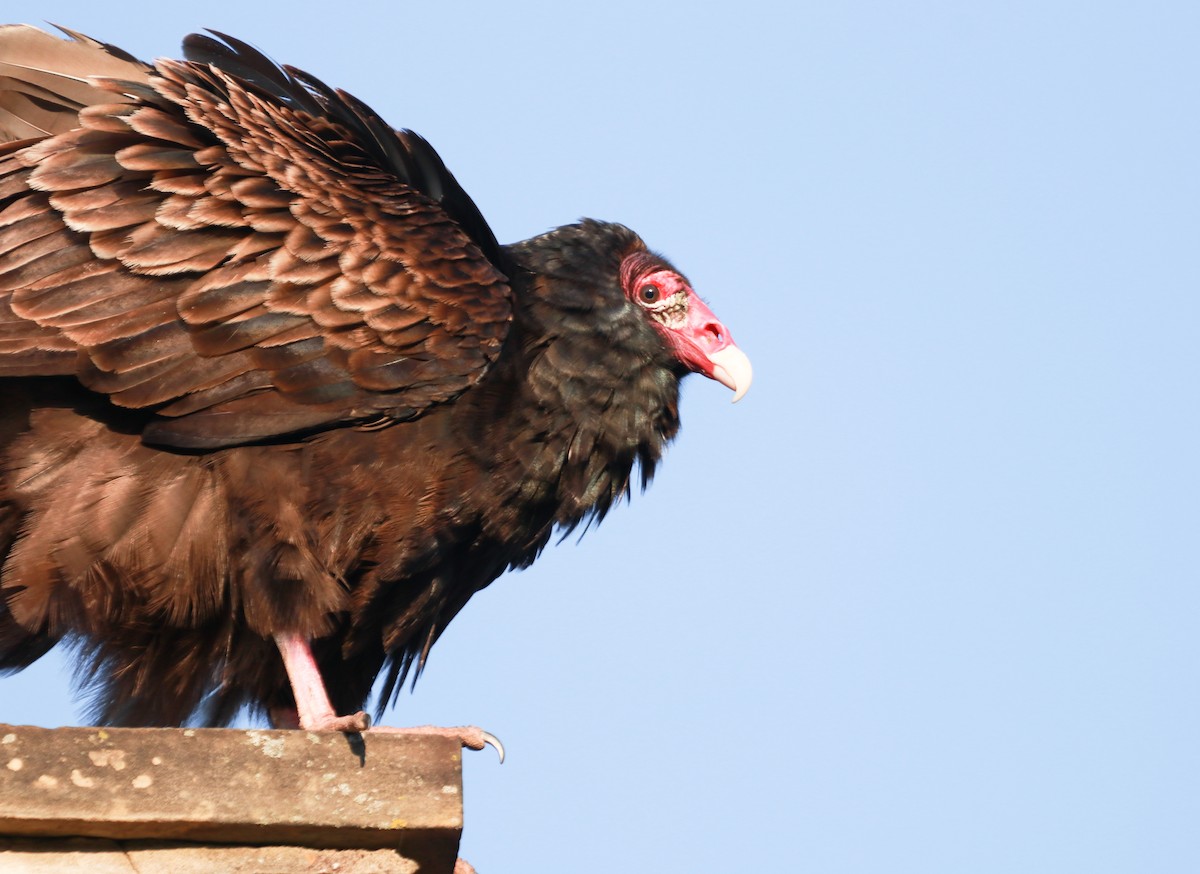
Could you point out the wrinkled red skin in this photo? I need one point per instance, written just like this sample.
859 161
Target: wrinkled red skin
699 335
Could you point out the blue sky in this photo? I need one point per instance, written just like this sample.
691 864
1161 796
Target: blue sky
926 600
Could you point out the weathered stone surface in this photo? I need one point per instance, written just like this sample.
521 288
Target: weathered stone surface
259 860
319 790
99 856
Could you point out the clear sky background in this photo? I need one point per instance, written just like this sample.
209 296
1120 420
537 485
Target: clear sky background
927 599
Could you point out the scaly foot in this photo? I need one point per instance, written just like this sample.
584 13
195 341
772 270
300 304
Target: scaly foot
469 736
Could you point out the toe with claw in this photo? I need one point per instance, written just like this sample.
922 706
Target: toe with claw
469 736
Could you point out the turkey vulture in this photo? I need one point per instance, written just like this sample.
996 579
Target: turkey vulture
274 403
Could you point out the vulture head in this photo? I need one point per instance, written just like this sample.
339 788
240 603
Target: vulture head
683 321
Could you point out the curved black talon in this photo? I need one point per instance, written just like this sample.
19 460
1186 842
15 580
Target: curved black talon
489 738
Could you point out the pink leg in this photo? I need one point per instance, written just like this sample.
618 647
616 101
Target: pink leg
314 712
312 703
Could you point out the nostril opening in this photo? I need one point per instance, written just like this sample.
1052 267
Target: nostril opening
715 332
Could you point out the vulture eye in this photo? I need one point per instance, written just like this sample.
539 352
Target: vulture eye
649 293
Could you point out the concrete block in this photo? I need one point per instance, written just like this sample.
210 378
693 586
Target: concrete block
287 790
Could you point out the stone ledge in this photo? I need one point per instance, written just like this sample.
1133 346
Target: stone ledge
322 791
100 856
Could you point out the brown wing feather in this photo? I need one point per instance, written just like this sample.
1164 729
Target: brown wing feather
204 226
44 80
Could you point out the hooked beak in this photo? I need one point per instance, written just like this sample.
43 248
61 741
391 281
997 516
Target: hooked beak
732 369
